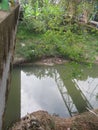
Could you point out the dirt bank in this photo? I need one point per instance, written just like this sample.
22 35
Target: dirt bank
41 120
49 61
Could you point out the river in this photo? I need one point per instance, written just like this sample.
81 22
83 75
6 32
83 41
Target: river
63 90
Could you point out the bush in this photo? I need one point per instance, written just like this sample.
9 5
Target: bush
39 18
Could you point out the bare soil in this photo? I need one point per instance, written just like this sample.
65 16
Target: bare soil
49 61
41 120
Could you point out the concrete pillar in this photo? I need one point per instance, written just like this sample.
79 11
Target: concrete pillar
8 26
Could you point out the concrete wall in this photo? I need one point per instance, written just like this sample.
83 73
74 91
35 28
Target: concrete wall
8 26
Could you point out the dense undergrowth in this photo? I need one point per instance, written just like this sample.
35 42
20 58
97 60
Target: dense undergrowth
54 43
52 29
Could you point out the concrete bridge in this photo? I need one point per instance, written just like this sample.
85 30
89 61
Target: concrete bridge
8 27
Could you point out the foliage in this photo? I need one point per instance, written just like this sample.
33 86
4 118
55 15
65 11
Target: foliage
52 43
41 16
52 29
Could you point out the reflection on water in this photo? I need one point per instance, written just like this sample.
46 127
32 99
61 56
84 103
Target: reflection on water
40 94
12 112
50 89
55 90
90 90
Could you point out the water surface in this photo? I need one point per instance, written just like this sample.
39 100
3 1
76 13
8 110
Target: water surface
63 90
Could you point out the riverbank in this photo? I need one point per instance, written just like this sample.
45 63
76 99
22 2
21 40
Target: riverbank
48 61
69 45
33 46
41 120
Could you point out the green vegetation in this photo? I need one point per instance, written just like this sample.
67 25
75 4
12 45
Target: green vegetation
52 29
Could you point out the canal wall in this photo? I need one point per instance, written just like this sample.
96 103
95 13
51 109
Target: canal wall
8 27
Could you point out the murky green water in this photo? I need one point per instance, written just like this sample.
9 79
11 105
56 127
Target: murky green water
63 90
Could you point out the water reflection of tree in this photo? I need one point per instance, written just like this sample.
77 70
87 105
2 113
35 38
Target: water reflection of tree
65 75
77 97
97 97
80 71
69 71
40 71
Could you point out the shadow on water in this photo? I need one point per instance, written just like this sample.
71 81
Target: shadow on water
63 90
12 110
